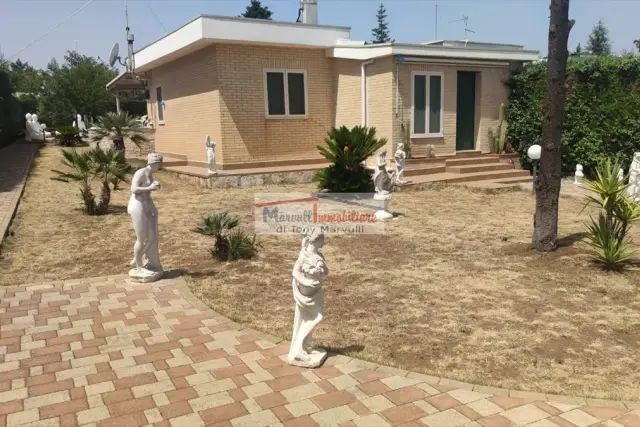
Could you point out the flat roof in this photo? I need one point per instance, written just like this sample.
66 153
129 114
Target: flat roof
124 81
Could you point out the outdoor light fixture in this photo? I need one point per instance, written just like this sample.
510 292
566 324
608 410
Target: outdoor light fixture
534 153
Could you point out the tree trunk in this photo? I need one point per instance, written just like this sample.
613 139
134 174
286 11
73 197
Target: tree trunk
105 198
545 229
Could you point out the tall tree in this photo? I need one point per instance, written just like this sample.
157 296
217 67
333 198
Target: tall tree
257 10
25 78
545 228
599 43
637 43
381 32
578 51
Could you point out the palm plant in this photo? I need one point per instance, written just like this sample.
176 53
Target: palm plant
230 244
110 167
118 125
347 149
609 235
68 136
81 170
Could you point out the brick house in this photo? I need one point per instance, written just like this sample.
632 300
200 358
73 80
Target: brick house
267 92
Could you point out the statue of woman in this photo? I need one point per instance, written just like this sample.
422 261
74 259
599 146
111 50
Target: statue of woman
400 157
211 154
144 214
309 273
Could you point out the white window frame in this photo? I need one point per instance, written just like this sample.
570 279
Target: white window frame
428 74
286 114
159 105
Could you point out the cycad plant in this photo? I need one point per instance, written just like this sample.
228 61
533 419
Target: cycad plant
118 125
347 149
81 171
68 136
230 243
110 168
609 234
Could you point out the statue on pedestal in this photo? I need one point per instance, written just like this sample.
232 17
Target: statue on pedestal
634 178
144 214
401 158
309 274
80 123
383 185
579 175
211 154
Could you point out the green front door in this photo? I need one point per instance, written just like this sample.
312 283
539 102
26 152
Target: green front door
466 111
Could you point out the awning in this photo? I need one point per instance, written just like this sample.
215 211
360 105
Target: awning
125 81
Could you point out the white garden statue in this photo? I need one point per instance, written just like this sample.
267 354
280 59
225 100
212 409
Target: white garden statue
579 175
144 214
211 154
34 131
431 150
383 185
634 178
80 123
401 158
309 274
621 175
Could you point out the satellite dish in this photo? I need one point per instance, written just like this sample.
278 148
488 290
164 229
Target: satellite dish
113 56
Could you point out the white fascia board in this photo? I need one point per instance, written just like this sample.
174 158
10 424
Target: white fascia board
224 29
371 52
173 42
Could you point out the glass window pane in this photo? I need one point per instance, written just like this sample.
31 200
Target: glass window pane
435 104
159 104
275 93
419 104
295 82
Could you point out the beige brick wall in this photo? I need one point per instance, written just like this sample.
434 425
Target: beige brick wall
247 136
490 92
190 91
380 102
347 86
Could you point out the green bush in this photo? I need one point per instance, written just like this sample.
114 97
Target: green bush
231 243
602 110
609 235
69 136
347 149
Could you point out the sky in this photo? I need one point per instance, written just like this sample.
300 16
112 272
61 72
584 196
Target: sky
101 23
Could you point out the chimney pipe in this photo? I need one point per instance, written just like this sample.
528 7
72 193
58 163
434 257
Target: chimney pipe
309 11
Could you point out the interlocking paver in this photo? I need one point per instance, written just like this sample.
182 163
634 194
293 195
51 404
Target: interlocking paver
106 352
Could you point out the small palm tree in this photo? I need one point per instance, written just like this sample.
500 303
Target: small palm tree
110 167
81 169
118 125
217 225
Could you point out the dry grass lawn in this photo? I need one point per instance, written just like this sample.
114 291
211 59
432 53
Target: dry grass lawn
451 289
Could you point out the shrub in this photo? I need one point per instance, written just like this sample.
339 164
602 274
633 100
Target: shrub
602 110
68 136
231 244
609 239
347 150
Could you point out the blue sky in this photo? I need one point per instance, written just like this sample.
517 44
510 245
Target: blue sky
101 23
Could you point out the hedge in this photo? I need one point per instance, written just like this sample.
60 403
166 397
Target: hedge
602 110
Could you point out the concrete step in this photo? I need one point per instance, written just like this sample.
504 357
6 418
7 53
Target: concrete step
472 161
468 154
448 177
469 169
515 180
425 160
423 170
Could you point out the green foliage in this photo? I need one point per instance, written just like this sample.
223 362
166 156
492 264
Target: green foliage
381 32
118 125
257 11
231 244
637 43
602 110
498 137
578 52
599 42
347 150
69 136
609 239
108 167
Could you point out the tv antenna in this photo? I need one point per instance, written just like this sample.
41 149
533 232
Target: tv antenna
464 19
129 62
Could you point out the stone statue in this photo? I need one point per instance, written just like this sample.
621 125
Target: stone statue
309 273
383 185
431 150
621 175
579 175
211 154
27 127
400 158
34 131
80 123
144 214
634 178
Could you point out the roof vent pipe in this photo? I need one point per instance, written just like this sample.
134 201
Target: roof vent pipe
309 9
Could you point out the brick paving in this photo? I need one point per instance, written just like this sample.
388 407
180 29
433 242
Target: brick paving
106 352
15 160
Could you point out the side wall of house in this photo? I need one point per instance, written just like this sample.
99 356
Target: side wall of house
347 85
191 94
380 102
491 91
247 135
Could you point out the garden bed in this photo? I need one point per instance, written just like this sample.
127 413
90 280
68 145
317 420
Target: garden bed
452 289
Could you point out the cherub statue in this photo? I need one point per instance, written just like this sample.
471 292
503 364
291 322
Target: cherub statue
431 150
579 175
211 154
634 178
144 214
400 157
309 274
383 183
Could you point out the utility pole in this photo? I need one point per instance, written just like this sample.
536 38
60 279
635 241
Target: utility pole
436 19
